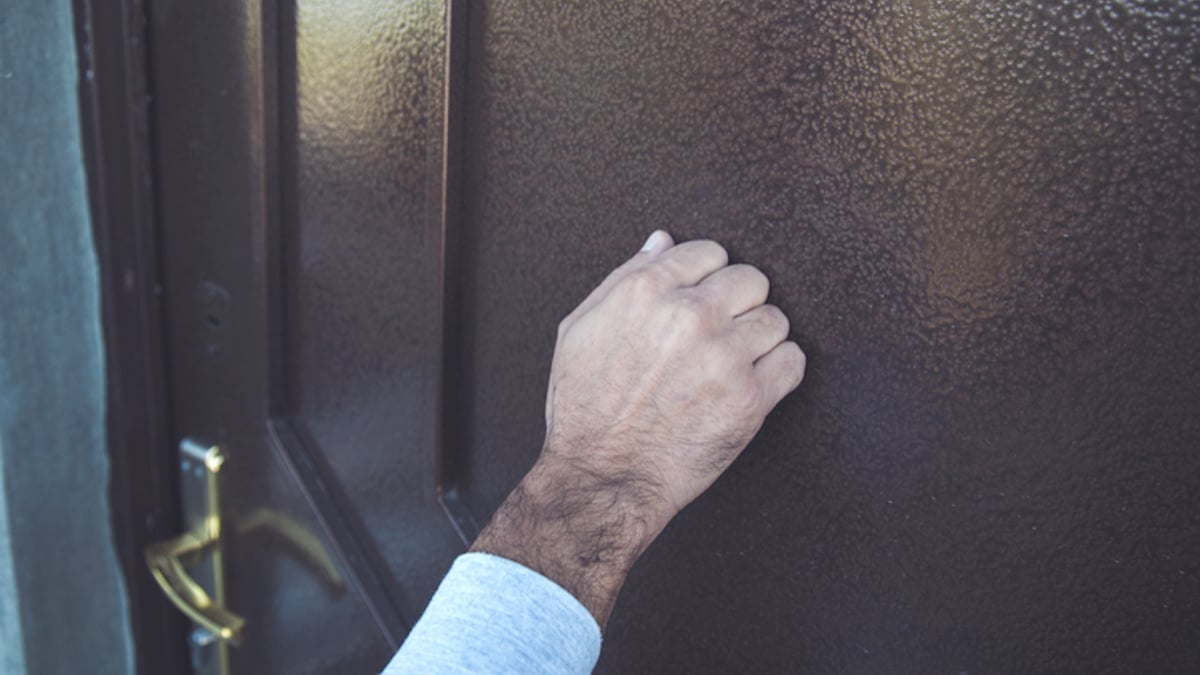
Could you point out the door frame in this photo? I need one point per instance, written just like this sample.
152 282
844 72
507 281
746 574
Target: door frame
112 55
116 104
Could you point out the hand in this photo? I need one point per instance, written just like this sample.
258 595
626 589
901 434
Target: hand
667 370
660 378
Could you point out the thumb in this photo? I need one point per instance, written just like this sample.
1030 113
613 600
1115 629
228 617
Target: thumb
658 242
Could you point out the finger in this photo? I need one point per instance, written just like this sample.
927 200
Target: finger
780 371
658 242
737 288
761 329
689 263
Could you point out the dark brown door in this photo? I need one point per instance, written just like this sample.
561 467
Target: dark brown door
982 218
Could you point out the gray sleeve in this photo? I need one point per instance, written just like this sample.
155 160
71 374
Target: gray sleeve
492 615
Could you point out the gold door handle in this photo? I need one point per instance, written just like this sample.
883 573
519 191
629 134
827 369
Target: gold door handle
201 549
165 560
168 560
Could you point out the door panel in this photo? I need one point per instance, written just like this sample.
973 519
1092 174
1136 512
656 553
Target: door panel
982 219
298 619
361 234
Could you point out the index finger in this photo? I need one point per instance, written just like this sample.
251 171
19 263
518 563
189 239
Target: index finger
658 242
689 263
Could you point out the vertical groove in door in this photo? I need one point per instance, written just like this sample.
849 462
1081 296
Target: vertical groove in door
271 206
353 545
447 432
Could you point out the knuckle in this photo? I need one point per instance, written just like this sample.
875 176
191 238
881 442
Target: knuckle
776 319
692 310
705 248
754 275
751 396
764 283
644 282
745 281
801 359
688 318
715 250
794 352
724 358
795 360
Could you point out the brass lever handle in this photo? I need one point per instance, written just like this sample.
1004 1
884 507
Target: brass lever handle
169 560
165 560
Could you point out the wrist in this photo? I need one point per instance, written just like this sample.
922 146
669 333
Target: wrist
577 525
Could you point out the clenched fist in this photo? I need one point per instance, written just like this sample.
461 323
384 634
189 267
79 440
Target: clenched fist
660 379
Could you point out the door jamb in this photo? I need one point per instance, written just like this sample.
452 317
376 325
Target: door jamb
114 100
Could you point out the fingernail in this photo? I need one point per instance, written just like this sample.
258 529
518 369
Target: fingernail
652 241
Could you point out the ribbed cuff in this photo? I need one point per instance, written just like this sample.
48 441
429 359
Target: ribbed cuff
492 615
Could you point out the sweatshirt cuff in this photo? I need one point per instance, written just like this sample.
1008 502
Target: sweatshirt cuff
491 614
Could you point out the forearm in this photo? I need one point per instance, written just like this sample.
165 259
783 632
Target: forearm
580 526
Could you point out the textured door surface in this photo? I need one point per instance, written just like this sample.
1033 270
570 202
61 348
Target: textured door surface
983 219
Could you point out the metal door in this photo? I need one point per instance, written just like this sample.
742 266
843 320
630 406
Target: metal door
982 218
